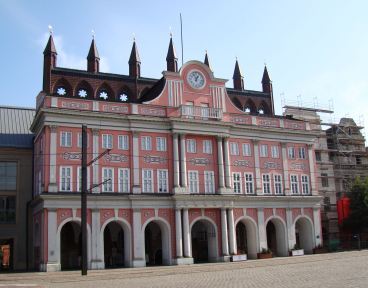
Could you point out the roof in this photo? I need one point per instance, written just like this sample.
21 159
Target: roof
14 127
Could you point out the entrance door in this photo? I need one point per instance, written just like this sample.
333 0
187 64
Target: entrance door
70 246
153 244
114 245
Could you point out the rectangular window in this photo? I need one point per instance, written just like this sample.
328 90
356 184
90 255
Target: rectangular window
8 175
162 181
147 179
266 184
193 181
65 178
108 179
237 182
291 153
324 179
278 184
318 156
207 146
275 151
305 185
234 148
146 143
107 141
161 144
249 183
302 153
209 182
66 139
124 180
294 184
123 142
79 140
191 146
263 150
246 149
79 179
7 209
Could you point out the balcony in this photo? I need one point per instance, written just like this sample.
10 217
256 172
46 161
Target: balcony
197 112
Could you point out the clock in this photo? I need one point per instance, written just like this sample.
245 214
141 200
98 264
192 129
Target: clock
196 79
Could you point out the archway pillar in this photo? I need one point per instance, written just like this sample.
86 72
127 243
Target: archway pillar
139 259
290 229
317 226
232 237
186 234
225 243
97 261
261 229
53 257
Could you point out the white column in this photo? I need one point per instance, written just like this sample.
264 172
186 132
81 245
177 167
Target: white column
220 163
261 229
97 259
183 161
285 168
312 170
186 236
95 167
290 228
258 181
232 237
136 170
53 262
53 144
225 243
227 163
176 160
179 236
138 245
317 226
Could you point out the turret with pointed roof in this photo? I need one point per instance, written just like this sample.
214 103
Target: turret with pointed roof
266 81
238 78
134 62
206 61
49 62
171 59
93 59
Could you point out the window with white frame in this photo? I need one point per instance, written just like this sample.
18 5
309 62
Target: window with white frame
305 184
278 184
237 182
191 146
108 179
146 143
162 181
123 142
246 149
234 148
107 141
65 178
291 153
275 151
147 181
124 180
79 140
302 153
266 184
66 139
207 146
79 179
294 184
161 144
249 183
209 182
193 181
263 150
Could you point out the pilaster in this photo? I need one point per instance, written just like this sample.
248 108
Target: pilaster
53 145
136 170
285 168
95 166
258 181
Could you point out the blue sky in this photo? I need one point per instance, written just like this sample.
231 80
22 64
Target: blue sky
315 49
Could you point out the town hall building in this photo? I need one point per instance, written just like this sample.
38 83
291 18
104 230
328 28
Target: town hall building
191 172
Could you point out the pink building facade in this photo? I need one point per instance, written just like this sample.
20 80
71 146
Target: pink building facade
189 176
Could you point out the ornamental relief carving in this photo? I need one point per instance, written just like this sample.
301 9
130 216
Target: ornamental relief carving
115 158
271 165
297 166
152 111
154 159
240 120
74 105
199 161
72 156
115 109
242 163
271 123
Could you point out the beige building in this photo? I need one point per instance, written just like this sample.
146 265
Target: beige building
16 146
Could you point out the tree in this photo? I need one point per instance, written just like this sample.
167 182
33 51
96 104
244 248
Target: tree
358 217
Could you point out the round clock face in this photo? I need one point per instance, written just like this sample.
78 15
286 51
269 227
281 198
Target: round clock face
196 79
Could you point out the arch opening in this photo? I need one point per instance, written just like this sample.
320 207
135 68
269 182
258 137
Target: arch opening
276 237
114 245
246 238
70 246
304 235
153 244
204 242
